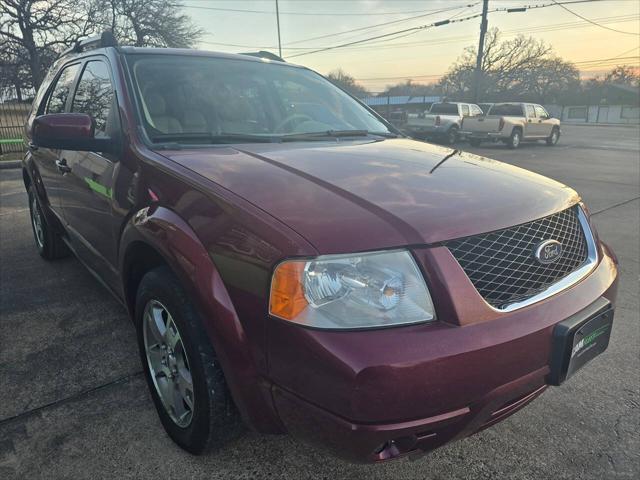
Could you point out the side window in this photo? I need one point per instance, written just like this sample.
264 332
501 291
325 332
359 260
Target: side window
60 93
530 111
465 110
94 95
541 112
475 110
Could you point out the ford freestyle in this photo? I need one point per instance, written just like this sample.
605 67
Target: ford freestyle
294 264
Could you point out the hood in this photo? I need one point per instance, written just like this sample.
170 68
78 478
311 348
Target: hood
365 195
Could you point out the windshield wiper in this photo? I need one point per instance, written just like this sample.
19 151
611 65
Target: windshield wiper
215 138
333 134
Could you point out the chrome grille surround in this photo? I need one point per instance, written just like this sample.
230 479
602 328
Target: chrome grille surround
503 268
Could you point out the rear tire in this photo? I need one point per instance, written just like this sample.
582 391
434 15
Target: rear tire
554 137
48 242
452 136
515 139
198 414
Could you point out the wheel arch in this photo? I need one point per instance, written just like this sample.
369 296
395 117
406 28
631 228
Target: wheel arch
156 236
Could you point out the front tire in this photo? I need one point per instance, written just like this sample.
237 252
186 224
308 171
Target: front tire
515 139
183 374
48 242
554 137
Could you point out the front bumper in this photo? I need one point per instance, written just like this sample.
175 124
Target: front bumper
375 395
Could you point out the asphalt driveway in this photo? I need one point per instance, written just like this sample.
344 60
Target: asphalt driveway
73 402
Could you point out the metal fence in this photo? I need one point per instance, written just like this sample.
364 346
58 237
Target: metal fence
13 115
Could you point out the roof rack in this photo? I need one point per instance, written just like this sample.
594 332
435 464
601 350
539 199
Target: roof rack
264 54
106 39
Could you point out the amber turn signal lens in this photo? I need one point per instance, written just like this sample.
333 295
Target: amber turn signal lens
287 295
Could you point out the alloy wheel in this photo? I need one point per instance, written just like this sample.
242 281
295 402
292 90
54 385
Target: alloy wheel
36 220
168 363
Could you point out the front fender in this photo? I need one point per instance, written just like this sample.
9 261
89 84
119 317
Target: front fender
171 236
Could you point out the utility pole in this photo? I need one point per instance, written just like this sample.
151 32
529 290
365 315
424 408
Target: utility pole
278 21
477 80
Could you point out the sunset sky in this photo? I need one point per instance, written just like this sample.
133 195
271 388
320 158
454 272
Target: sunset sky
423 55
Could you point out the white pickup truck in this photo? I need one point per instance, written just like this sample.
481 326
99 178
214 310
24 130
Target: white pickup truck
512 123
442 121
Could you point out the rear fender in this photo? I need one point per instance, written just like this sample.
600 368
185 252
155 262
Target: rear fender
171 236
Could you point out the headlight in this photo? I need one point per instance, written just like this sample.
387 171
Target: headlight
351 291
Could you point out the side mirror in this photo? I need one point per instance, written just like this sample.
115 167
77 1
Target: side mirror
69 131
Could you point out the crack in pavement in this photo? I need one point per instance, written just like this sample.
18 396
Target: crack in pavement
614 206
71 398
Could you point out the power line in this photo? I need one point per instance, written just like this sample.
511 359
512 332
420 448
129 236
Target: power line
435 24
333 14
383 44
457 39
392 22
591 21
421 27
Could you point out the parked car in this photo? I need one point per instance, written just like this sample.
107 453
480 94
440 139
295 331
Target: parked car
442 122
291 262
512 124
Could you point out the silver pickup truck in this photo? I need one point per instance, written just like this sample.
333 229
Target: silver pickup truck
441 122
512 123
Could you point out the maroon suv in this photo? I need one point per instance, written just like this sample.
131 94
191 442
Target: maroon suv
291 262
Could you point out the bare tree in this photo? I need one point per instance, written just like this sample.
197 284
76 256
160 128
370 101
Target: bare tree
345 81
624 75
148 23
522 68
33 31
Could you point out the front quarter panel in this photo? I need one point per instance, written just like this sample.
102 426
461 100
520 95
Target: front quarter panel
223 250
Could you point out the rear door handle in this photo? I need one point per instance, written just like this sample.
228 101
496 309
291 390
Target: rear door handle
62 165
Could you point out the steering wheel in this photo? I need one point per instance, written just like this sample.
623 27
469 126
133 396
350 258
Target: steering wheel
291 118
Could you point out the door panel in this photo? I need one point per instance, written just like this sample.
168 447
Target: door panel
87 198
532 129
46 158
544 122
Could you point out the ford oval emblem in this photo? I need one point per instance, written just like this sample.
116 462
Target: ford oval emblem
548 251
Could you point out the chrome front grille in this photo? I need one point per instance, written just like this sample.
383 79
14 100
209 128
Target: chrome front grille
502 264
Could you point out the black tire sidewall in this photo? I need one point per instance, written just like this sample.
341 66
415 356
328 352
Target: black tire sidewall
515 133
452 136
210 394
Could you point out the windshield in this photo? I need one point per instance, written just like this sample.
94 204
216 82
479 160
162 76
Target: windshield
444 108
199 99
507 109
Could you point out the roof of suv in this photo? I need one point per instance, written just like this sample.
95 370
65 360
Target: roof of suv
128 50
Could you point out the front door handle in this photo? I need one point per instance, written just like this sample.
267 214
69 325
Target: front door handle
32 146
62 165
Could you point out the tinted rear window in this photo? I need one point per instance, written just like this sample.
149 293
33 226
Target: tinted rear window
444 108
507 110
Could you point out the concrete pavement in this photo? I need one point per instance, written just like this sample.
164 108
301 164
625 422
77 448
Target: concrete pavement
73 403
